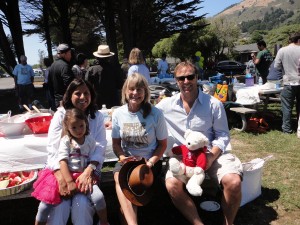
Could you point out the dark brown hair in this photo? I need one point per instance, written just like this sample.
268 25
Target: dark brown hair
67 102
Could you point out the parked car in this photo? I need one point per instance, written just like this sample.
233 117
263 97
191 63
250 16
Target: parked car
228 67
38 75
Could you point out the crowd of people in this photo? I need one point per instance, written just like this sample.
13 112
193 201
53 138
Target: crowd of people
77 133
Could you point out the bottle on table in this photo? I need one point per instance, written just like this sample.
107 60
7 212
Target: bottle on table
105 113
260 81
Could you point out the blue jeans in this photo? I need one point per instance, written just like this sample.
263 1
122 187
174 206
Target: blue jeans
287 96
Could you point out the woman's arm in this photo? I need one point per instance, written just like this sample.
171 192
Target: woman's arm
116 145
54 136
158 153
98 132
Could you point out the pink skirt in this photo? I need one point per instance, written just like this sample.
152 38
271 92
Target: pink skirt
46 188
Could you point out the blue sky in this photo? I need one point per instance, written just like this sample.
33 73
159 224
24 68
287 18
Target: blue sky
211 7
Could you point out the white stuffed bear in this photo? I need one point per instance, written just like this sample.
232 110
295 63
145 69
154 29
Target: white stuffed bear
191 168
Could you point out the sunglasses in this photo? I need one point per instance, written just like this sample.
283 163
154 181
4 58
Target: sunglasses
189 77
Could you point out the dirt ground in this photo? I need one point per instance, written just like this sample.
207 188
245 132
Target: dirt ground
159 212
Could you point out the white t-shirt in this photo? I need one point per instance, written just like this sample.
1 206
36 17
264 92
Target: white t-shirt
140 68
138 135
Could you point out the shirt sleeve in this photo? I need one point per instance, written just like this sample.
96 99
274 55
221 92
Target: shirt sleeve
15 72
97 130
161 127
220 127
54 136
64 149
278 61
92 146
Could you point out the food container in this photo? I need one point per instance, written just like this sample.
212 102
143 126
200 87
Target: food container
18 188
12 126
39 125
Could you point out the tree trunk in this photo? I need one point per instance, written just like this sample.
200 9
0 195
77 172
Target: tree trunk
15 26
46 8
125 23
62 6
8 54
110 28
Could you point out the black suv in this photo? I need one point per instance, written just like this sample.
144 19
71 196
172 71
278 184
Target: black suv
229 67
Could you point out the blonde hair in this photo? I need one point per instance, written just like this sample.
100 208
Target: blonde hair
137 80
136 57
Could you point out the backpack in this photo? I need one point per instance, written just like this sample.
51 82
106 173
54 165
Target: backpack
257 125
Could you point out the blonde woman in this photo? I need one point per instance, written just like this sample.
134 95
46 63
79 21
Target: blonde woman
137 64
138 130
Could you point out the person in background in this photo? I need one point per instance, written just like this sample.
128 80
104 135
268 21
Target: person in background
106 77
125 67
137 62
80 67
251 68
263 60
192 109
275 75
287 59
47 63
23 77
60 75
163 66
81 95
138 129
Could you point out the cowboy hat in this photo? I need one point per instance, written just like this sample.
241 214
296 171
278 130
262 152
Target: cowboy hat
103 51
135 179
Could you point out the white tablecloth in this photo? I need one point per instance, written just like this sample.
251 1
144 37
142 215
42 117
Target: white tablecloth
250 95
29 152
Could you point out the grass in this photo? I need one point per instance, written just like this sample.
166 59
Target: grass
280 200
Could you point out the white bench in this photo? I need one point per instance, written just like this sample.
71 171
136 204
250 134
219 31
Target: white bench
242 111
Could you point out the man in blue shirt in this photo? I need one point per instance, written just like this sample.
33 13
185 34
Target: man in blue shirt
23 76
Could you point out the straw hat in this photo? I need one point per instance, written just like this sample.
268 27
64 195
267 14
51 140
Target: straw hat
103 52
136 179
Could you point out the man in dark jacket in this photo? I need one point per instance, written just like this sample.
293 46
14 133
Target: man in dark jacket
106 77
60 75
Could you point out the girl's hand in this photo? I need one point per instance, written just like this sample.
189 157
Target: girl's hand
72 188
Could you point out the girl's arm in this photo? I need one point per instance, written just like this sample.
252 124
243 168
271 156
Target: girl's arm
67 176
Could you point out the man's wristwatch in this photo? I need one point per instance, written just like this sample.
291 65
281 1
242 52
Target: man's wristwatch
92 166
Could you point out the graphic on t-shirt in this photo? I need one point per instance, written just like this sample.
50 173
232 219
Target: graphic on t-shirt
135 135
24 71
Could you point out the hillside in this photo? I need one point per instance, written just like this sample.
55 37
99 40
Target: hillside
256 9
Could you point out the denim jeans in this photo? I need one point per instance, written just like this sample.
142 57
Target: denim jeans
287 96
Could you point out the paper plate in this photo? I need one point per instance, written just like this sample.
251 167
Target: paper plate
210 206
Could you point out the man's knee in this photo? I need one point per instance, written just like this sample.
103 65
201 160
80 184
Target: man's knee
232 182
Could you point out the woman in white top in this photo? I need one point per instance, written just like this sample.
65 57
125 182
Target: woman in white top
81 95
137 64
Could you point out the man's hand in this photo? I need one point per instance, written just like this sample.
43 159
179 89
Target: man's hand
211 156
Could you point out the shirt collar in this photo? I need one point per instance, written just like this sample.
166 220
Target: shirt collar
200 97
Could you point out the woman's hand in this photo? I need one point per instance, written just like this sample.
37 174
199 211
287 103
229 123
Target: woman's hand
85 181
62 185
108 125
